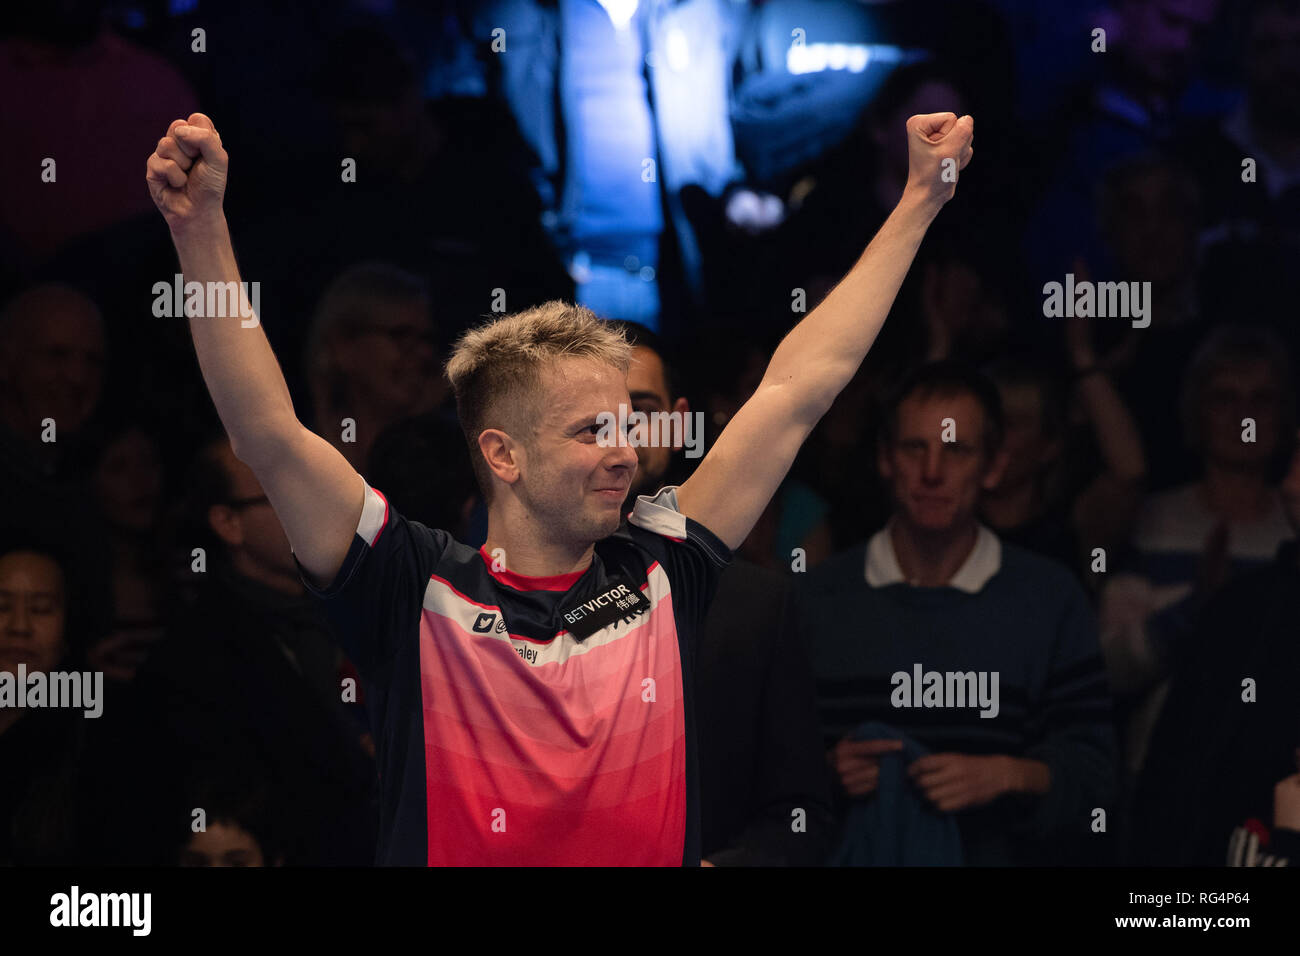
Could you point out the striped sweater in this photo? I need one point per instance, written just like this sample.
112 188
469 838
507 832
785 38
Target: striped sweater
1015 637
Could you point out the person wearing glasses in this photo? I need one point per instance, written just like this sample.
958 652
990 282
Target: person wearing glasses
371 357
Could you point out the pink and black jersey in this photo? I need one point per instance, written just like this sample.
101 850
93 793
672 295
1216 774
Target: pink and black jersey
530 720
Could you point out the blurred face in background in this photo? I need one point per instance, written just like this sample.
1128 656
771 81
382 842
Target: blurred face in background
127 482
1272 64
1027 447
936 485
647 385
970 307
389 360
32 612
249 526
1237 390
52 361
223 843
1154 229
380 134
1160 38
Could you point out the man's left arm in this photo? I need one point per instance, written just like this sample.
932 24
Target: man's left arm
738 477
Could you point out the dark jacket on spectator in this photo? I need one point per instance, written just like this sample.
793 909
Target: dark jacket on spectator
1006 613
39 788
760 756
1216 757
252 674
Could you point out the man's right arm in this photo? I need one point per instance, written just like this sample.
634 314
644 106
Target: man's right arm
316 494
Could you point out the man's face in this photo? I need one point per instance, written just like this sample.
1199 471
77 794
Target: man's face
262 536
31 612
937 484
390 362
54 366
647 384
569 482
1240 390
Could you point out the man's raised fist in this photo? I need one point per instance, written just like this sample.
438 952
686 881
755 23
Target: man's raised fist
939 145
187 173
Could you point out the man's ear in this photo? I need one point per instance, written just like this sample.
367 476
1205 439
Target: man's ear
225 524
504 455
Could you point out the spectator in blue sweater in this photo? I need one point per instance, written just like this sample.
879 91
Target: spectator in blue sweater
982 652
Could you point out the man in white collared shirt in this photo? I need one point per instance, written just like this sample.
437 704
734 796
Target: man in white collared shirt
981 651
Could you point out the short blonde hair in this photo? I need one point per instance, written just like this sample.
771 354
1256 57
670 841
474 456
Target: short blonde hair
495 370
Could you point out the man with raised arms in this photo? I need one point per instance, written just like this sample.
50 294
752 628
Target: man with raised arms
509 727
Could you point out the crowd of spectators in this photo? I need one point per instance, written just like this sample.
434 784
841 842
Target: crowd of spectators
1104 526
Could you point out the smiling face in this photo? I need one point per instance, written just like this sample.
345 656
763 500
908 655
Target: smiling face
569 482
937 484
